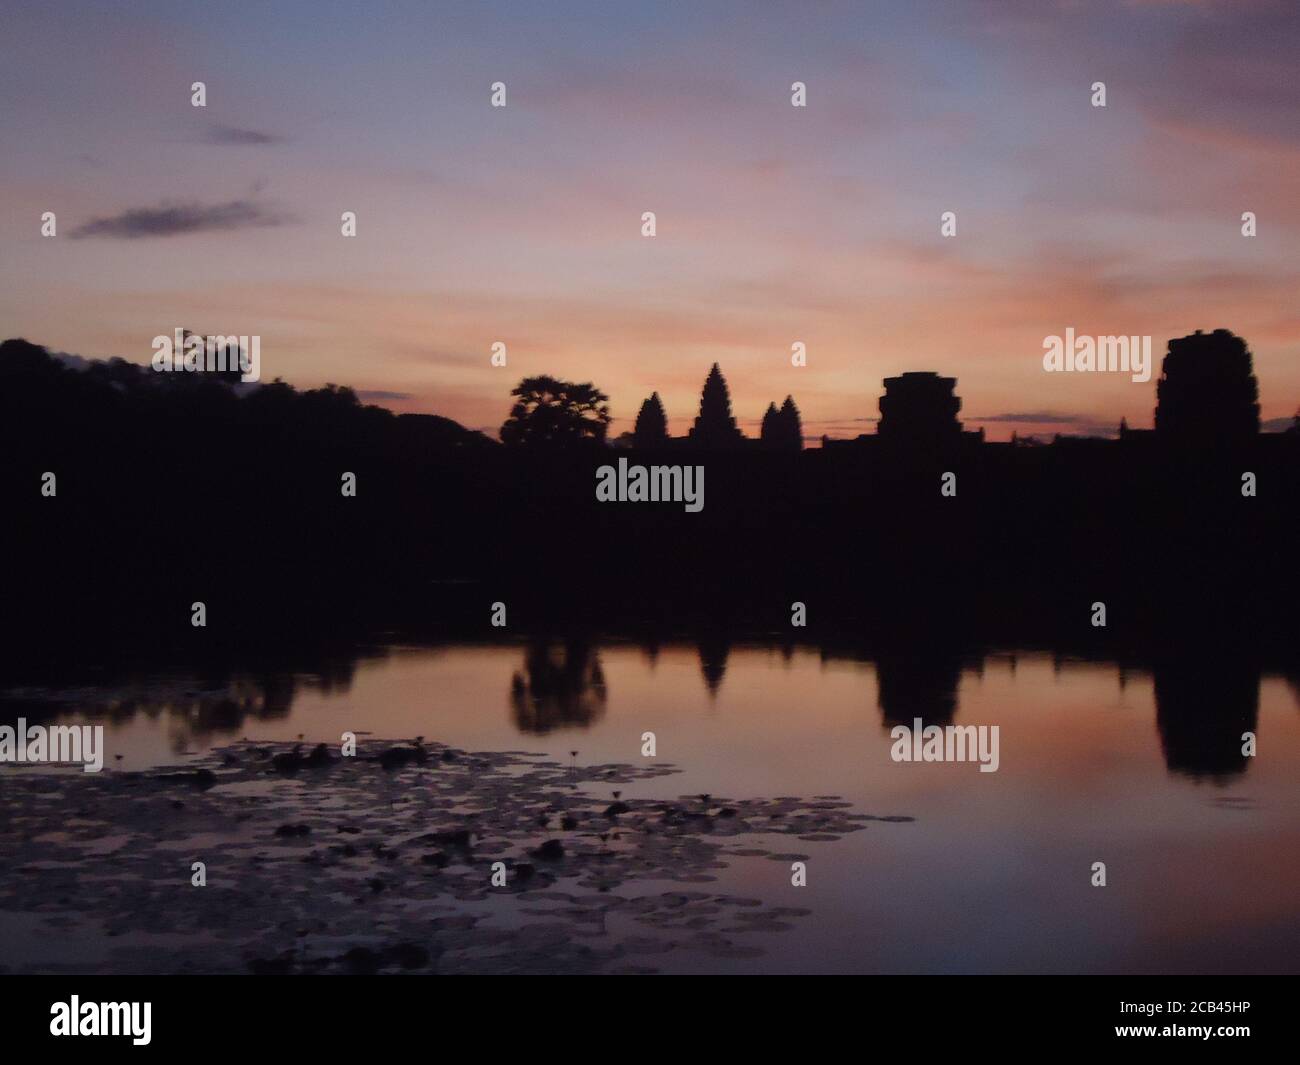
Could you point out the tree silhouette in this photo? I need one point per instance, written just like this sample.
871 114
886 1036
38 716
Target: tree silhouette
715 427
549 412
561 686
770 433
231 349
651 427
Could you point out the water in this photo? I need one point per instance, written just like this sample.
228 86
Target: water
1137 768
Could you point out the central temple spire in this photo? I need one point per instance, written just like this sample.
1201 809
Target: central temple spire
715 426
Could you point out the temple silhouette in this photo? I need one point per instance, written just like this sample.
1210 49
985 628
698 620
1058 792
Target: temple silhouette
1207 392
920 408
175 488
715 427
1206 396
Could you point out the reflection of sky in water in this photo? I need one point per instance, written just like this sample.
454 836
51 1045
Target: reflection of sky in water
994 873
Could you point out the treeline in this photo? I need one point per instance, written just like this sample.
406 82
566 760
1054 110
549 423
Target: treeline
41 393
127 491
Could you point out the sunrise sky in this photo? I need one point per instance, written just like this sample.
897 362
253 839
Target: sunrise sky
775 224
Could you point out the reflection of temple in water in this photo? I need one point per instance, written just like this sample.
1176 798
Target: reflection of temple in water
561 686
714 652
1203 705
650 648
917 684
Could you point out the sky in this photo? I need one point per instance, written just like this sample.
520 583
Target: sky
774 224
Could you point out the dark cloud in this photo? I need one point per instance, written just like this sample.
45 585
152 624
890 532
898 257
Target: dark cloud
171 220
1069 424
1277 425
832 423
1032 417
380 394
234 135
